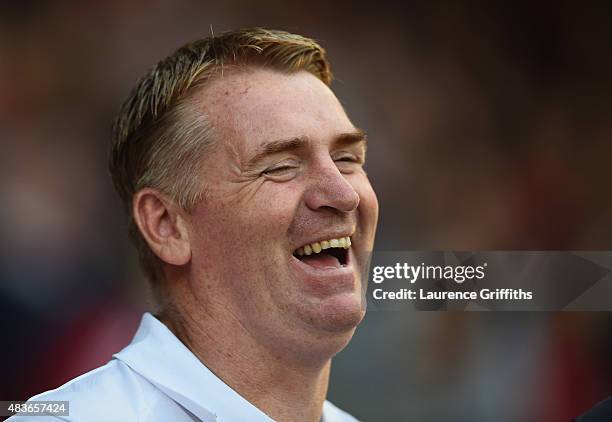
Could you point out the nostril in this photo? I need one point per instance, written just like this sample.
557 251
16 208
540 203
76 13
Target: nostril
332 192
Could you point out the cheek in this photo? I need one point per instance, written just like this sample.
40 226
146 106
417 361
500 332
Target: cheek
268 214
254 214
368 202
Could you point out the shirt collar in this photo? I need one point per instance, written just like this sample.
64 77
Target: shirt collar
160 357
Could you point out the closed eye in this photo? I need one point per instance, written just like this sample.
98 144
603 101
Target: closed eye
282 171
279 169
348 163
349 159
351 156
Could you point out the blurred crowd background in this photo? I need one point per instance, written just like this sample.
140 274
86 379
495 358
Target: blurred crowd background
490 129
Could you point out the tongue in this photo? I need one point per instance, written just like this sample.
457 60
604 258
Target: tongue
321 260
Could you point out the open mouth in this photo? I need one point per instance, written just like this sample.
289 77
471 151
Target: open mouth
331 253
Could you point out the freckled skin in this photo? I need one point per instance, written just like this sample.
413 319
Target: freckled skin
243 233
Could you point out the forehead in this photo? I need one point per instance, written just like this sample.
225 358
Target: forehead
252 107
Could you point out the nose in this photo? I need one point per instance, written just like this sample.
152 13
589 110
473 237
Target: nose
329 189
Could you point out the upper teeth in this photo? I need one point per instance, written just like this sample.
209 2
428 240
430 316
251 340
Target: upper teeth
316 247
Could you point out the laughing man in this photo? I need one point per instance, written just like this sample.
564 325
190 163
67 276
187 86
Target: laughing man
252 215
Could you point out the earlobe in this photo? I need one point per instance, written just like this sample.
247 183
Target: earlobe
162 224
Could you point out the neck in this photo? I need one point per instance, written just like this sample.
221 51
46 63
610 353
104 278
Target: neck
285 388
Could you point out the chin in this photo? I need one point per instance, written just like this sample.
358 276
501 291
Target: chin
326 326
337 315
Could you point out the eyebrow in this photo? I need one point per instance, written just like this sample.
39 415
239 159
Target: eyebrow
299 142
350 138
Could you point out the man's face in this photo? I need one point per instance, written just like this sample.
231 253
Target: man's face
286 173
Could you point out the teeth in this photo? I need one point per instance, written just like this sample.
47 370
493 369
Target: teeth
316 247
307 250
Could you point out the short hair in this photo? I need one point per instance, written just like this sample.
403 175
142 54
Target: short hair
158 140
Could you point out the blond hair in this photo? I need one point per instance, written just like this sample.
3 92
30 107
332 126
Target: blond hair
158 140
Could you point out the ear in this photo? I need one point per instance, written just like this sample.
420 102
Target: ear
162 224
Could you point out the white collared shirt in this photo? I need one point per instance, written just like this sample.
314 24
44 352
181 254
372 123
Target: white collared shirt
157 378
